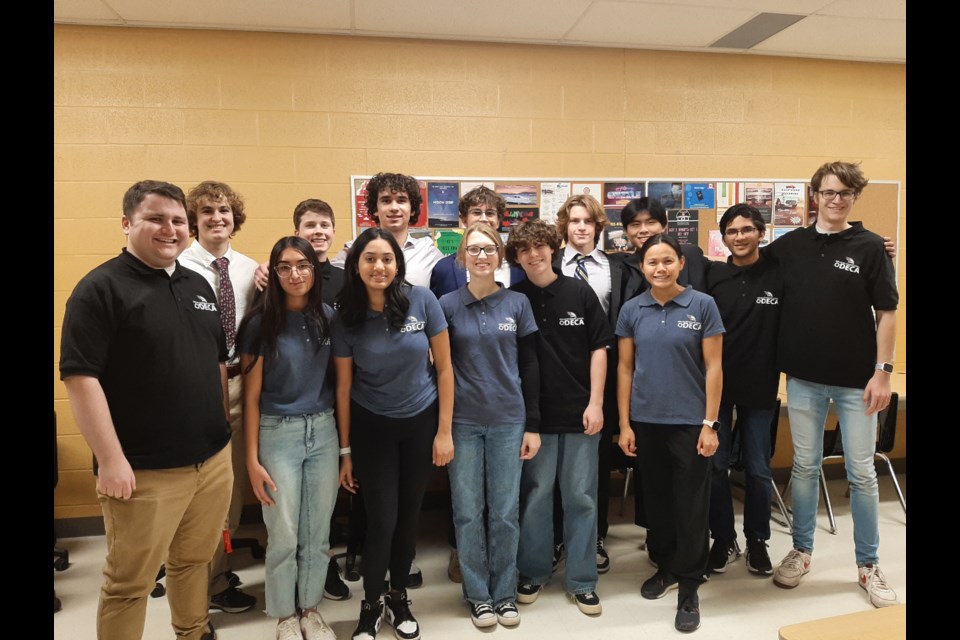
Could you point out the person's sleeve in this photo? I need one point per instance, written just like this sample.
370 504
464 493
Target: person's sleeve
529 379
883 289
447 302
438 279
712 324
436 321
526 324
341 345
600 334
625 321
86 335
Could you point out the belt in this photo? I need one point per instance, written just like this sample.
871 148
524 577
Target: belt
233 370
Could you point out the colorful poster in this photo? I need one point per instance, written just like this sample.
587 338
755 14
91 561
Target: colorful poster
728 194
760 195
515 215
716 250
447 240
442 201
519 194
360 197
467 187
421 222
594 189
552 197
619 194
788 204
684 225
614 238
812 209
670 194
698 195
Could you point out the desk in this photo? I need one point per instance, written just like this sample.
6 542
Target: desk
889 623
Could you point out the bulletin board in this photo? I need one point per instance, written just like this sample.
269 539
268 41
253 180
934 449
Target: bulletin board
693 206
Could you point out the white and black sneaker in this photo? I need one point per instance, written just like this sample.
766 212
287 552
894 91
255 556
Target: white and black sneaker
482 614
371 615
397 610
603 559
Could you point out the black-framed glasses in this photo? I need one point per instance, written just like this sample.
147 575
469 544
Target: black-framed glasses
746 231
487 249
304 269
846 195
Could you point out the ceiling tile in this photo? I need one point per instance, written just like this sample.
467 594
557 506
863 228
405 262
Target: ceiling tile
830 37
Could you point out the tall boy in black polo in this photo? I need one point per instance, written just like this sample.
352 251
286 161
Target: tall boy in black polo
572 340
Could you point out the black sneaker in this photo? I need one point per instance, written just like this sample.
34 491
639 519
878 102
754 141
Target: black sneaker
603 560
415 579
232 600
722 554
397 610
482 614
233 579
559 551
656 586
507 614
527 592
334 588
757 558
371 615
588 603
688 612
210 633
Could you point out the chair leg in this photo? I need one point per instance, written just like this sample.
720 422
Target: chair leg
786 522
626 488
826 500
896 483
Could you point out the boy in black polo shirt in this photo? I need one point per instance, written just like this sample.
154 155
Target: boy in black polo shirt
572 340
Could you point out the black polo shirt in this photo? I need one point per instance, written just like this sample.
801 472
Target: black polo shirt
571 326
832 284
332 282
749 299
155 344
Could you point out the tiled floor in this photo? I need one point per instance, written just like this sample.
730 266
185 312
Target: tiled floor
736 605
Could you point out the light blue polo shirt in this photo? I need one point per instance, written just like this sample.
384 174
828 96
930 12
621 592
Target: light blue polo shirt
483 344
393 375
669 377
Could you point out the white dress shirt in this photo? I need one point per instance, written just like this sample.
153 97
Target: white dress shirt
598 272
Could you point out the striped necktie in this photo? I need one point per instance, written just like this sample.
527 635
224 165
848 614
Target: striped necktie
581 271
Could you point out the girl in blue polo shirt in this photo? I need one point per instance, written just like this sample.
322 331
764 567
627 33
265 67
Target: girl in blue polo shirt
669 381
393 407
291 435
495 424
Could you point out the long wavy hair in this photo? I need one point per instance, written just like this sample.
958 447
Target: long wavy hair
353 300
271 305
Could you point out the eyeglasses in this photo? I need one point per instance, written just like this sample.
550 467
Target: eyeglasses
487 249
482 213
733 233
846 195
304 269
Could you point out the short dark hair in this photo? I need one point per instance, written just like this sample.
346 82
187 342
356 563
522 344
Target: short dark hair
485 196
593 207
214 191
315 206
638 205
848 173
397 182
742 211
660 238
137 192
529 233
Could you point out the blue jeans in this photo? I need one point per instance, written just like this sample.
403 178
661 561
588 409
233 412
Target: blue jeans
487 462
753 425
571 458
301 454
807 403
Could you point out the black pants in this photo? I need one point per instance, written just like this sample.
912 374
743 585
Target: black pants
676 487
392 461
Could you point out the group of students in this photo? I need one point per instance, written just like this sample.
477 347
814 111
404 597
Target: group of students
517 376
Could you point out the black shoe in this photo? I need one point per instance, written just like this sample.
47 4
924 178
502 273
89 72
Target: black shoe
371 615
334 588
415 579
588 603
688 612
397 610
657 585
558 554
233 579
210 633
603 560
758 560
527 592
722 554
232 600
482 614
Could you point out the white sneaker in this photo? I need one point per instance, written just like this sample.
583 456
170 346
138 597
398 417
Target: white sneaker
314 628
873 582
792 568
289 629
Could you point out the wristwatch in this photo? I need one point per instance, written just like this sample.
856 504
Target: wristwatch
713 424
886 367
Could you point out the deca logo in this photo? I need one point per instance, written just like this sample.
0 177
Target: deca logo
767 298
690 323
849 265
509 324
572 320
202 304
412 324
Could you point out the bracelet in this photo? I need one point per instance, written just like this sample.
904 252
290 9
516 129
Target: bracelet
344 451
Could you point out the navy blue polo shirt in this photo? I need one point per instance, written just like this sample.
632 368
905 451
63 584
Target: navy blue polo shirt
393 375
483 343
295 380
749 299
832 284
571 326
669 376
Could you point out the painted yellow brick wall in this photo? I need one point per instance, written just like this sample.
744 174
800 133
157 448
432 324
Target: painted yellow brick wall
283 117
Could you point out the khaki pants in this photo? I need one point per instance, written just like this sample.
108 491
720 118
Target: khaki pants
220 563
174 517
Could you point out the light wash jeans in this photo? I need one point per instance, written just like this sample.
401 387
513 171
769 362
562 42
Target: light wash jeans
571 458
301 454
807 403
485 476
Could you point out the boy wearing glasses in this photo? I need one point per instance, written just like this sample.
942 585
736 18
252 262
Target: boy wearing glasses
837 336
